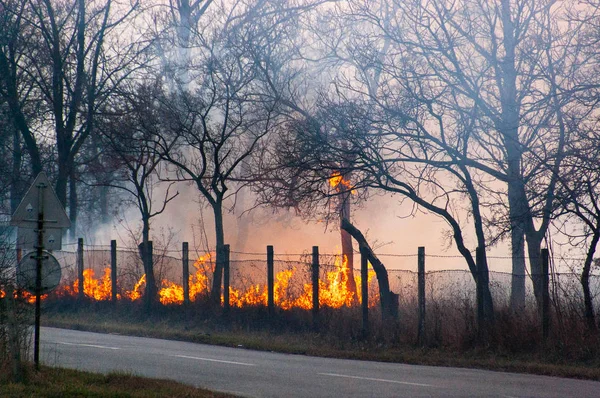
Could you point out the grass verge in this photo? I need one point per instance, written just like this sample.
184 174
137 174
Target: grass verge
58 382
541 362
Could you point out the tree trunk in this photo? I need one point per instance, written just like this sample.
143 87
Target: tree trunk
517 292
73 205
488 302
62 179
509 130
104 216
534 247
385 295
585 282
16 192
483 272
146 249
8 69
215 293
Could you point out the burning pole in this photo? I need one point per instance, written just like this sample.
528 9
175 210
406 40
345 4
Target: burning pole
343 188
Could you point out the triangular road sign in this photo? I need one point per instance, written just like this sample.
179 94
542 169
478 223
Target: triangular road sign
26 215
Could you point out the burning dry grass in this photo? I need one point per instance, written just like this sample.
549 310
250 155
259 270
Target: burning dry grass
288 292
52 382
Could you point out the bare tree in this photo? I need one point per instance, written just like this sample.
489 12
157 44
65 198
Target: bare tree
510 66
138 165
14 315
580 196
59 63
387 156
214 125
291 174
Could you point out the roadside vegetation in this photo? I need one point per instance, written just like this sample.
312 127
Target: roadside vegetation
513 347
57 382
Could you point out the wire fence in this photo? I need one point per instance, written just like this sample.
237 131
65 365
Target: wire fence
293 278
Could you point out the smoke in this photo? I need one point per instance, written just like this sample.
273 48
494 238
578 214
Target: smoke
385 220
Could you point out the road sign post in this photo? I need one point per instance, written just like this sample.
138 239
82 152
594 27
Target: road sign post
38 275
40 206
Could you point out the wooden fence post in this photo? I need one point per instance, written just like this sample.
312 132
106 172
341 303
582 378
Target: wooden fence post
315 286
113 270
185 258
545 310
479 252
364 289
81 292
270 281
421 296
226 303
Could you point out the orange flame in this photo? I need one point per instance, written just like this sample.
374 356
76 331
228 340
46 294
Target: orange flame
30 298
172 293
136 293
333 289
99 290
337 179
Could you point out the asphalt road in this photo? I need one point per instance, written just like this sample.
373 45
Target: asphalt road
265 374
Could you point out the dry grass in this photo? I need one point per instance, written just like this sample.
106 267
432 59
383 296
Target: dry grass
56 382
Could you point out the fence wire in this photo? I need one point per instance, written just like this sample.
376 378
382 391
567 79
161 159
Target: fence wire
249 274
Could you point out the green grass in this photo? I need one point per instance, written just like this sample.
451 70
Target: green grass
58 382
543 362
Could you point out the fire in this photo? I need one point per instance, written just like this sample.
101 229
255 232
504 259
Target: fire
337 179
30 298
333 291
333 288
97 289
172 293
136 293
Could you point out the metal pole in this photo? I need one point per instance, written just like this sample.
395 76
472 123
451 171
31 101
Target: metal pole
186 272
315 286
80 268
364 289
113 270
421 292
270 281
38 276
